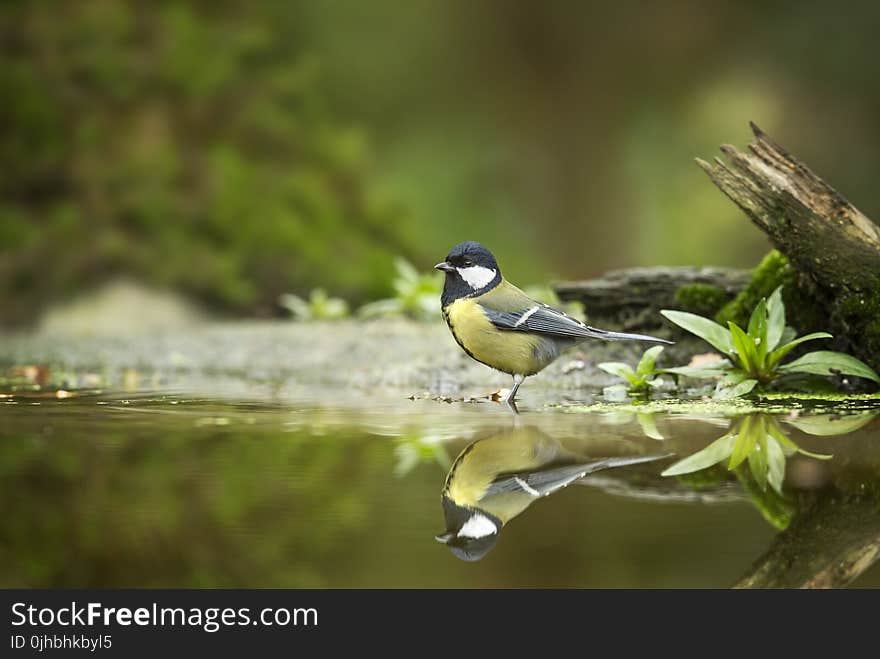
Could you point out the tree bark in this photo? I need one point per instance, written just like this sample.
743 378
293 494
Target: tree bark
829 544
833 247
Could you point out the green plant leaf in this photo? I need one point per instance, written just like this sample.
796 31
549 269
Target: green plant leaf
788 446
296 306
646 363
732 378
826 362
744 345
775 319
758 461
649 426
785 348
716 452
745 442
775 463
758 331
621 370
405 269
829 425
706 329
776 432
736 390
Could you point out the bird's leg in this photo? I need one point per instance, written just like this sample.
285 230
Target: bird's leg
511 397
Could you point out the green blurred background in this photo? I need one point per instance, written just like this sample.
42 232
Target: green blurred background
235 151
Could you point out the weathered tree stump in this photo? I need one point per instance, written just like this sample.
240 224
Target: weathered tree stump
832 246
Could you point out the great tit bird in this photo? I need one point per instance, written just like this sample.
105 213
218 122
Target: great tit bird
495 479
500 326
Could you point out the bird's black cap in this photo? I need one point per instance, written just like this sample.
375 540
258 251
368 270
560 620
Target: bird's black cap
473 253
463 547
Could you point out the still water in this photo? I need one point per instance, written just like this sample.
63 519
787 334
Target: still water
183 491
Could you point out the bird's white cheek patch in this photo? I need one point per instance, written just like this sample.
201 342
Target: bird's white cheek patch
478 526
477 276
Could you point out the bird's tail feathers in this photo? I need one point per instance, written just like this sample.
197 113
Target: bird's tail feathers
622 336
625 461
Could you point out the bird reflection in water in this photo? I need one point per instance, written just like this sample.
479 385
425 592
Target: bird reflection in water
495 479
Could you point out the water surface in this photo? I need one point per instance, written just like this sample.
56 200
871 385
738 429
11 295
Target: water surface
180 490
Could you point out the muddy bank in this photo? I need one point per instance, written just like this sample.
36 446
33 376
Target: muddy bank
397 355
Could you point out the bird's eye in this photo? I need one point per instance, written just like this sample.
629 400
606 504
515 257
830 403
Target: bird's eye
468 262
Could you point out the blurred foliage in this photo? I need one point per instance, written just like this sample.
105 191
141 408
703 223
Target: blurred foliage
319 306
417 448
416 295
123 520
185 144
219 148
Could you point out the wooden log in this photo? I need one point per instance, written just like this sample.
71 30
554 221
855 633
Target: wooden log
832 540
631 299
833 247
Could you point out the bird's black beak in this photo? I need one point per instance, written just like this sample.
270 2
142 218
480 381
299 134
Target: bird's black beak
444 538
445 266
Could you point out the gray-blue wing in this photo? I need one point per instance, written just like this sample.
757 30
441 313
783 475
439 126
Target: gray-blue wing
542 319
547 481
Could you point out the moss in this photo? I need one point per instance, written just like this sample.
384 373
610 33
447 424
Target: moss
801 310
701 299
852 317
773 271
770 403
861 312
836 398
872 343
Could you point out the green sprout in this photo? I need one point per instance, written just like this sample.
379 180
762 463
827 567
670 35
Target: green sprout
641 379
756 439
416 295
753 357
319 306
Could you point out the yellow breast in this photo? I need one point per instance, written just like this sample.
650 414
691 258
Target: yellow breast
510 352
